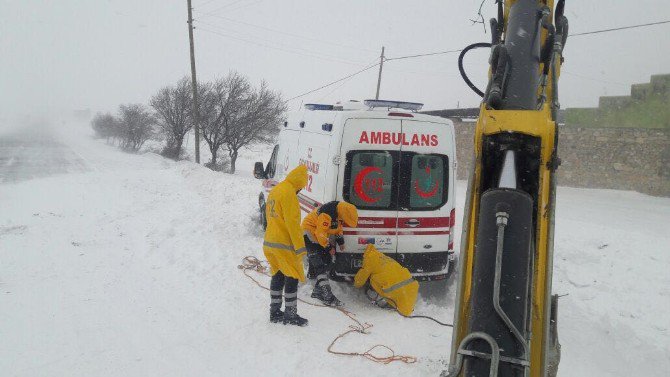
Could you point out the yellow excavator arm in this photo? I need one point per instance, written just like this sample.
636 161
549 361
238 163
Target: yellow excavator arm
505 317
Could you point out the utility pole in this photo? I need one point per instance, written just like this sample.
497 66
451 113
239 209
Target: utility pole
379 79
194 84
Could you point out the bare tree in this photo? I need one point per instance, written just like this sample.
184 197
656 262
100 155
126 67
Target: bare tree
220 106
136 126
235 115
257 121
105 125
173 110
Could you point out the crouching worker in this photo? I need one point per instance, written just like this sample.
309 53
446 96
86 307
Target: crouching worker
284 246
389 280
323 229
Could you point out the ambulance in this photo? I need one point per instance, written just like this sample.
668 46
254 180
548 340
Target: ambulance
395 165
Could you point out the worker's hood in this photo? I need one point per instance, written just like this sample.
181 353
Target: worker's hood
348 213
297 177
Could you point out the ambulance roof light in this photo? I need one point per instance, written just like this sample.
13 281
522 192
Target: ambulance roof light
318 106
412 106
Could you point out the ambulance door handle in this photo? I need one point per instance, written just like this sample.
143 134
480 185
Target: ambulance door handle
412 223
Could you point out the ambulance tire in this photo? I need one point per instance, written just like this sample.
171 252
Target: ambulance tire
452 266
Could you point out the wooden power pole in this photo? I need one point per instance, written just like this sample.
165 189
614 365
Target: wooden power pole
379 79
194 84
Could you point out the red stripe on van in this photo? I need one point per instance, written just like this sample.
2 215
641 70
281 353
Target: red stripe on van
395 233
392 222
425 222
423 233
377 222
370 233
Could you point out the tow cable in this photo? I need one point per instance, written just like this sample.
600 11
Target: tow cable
251 263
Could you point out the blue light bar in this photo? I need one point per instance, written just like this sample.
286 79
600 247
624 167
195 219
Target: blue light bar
317 106
412 106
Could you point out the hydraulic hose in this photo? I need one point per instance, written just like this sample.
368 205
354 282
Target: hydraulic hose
462 70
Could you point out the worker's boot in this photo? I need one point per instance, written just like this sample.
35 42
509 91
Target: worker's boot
323 293
276 315
291 317
311 272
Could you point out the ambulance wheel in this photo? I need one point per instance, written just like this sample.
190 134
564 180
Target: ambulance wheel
452 266
261 214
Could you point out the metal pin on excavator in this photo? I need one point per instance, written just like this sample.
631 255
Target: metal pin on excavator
505 316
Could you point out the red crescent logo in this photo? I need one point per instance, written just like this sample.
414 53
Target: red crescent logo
358 184
425 194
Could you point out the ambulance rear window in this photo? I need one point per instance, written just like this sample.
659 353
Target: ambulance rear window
369 179
428 180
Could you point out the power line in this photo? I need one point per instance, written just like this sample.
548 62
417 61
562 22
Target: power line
207 2
291 51
571 35
334 82
227 6
619 28
422 55
291 34
339 86
221 8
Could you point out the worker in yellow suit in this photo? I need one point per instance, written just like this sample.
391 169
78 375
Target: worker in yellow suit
389 280
284 246
323 230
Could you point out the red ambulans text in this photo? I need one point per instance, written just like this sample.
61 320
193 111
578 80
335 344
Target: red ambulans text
398 138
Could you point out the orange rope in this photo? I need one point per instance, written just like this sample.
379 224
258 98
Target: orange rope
251 263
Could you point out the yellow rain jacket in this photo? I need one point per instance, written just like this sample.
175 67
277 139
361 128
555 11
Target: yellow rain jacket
283 244
323 222
389 279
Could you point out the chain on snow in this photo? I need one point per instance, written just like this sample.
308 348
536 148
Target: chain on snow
251 263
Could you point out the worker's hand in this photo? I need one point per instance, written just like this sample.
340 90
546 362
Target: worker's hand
332 250
342 248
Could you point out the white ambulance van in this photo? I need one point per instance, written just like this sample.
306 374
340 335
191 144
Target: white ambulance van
395 165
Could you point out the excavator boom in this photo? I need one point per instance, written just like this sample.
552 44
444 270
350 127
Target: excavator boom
505 317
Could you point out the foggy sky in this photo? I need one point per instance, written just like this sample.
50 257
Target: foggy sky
59 56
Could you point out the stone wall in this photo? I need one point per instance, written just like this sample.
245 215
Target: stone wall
612 158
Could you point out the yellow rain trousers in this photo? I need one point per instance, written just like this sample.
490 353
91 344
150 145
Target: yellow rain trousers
389 279
284 245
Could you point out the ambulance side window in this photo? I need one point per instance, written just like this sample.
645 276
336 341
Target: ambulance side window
272 164
428 180
369 179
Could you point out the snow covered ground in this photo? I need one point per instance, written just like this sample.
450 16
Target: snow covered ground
127 266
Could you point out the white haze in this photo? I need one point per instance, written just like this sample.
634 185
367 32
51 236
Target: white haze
61 56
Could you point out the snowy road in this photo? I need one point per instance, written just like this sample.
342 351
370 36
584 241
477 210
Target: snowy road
34 152
127 266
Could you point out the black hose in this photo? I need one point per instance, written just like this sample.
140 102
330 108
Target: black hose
417 316
462 70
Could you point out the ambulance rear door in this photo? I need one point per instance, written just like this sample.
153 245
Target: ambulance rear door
368 179
426 202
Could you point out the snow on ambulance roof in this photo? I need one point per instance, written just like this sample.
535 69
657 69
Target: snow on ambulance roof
370 104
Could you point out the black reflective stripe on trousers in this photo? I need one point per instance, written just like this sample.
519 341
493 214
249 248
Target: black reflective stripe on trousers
398 285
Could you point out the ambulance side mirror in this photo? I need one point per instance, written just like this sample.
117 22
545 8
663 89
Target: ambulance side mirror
259 170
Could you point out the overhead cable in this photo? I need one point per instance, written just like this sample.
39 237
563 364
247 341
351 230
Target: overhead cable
334 82
620 28
292 51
